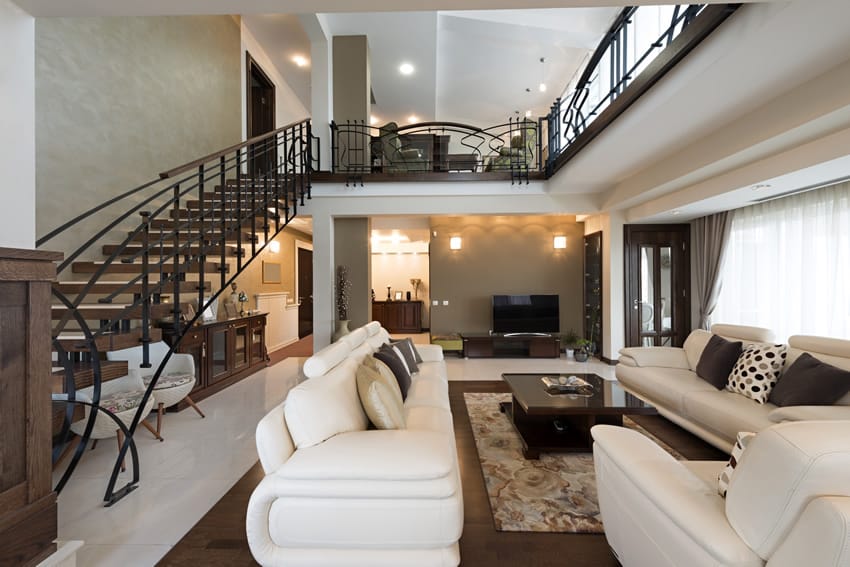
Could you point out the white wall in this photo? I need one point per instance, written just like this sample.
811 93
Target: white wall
17 127
288 107
395 270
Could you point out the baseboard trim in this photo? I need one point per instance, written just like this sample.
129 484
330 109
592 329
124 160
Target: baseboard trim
608 361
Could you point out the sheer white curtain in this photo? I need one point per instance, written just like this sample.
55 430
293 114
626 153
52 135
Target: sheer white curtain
788 265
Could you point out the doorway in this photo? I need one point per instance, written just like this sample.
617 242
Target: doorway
658 288
305 291
260 113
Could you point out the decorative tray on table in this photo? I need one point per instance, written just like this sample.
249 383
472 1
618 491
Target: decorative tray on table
567 385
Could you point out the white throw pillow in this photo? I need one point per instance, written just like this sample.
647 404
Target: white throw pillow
744 437
757 370
383 405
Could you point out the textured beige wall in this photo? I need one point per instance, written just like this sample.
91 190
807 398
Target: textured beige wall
503 255
120 99
251 279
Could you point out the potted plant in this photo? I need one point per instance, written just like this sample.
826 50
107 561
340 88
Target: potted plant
569 340
582 350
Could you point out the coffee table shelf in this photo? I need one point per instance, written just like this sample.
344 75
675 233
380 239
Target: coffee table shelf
562 422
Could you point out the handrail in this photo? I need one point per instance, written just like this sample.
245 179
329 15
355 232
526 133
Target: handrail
247 192
250 142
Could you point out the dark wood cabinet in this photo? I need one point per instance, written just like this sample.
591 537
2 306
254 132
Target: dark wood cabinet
484 345
398 316
224 352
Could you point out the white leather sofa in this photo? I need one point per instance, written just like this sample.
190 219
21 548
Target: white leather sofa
666 378
338 494
788 502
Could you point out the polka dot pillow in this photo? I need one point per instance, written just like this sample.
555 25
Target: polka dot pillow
757 371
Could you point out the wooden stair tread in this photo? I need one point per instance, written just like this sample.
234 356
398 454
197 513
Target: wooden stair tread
73 341
84 374
106 311
168 268
102 287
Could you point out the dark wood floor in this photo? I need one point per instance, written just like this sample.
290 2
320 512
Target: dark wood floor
219 538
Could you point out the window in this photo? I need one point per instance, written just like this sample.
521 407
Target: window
788 265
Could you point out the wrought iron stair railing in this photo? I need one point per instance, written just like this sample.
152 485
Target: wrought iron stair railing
184 232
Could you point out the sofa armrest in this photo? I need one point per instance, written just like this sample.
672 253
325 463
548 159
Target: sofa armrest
821 535
274 445
430 353
809 413
664 357
673 494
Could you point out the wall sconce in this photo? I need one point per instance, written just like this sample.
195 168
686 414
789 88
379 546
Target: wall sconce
274 246
455 243
559 242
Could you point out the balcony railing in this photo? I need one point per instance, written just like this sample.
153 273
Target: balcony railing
436 147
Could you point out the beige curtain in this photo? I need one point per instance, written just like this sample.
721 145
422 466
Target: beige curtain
710 236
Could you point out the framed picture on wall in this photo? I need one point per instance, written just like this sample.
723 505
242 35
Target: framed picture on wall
399 296
271 272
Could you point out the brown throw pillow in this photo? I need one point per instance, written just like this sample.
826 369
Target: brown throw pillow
408 351
717 360
810 382
387 355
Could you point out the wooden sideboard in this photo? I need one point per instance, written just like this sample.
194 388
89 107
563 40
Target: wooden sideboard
398 316
28 517
224 352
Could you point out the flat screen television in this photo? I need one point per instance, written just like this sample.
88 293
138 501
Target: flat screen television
526 314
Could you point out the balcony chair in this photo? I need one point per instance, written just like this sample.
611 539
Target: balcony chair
121 397
175 383
398 157
520 153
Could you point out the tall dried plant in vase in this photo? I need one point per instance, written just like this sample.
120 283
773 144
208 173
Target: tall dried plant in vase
343 292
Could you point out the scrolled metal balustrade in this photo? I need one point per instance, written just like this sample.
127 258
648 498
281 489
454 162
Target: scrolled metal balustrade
243 193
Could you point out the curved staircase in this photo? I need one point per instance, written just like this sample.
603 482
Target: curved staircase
179 239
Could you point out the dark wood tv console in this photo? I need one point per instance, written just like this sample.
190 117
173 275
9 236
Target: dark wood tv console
485 345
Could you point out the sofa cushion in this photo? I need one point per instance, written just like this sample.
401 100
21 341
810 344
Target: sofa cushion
388 356
428 393
717 360
666 387
757 370
385 372
381 403
810 382
428 418
727 413
694 345
405 346
738 449
319 408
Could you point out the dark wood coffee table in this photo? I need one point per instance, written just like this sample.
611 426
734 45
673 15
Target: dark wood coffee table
562 422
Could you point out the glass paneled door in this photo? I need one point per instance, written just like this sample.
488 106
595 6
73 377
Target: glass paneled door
657 285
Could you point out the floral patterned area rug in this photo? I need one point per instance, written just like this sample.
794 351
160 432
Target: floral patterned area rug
556 493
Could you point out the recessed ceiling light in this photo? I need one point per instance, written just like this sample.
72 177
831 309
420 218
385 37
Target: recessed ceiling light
528 114
300 60
374 120
406 69
412 119
676 212
542 87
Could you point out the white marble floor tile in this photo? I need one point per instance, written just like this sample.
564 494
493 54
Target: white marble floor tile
120 555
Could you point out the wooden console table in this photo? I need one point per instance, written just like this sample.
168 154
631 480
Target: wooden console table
398 316
224 352
485 345
28 517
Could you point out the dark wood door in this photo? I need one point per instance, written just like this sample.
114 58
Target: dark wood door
305 292
658 311
218 349
241 345
260 98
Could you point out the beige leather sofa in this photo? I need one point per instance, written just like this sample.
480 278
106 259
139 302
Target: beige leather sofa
666 378
788 503
337 493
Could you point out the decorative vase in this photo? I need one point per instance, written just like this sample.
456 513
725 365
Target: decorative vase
580 356
340 330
